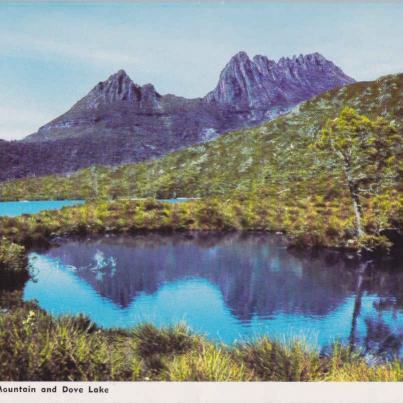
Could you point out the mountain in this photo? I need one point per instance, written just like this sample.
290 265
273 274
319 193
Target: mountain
119 107
119 122
262 85
275 156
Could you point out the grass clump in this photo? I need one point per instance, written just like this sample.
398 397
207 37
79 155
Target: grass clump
361 372
274 361
344 366
169 340
208 363
37 347
156 347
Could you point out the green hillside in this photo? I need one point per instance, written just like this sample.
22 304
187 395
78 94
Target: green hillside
274 165
274 157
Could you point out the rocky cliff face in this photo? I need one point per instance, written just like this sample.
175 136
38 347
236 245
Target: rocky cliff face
262 84
119 121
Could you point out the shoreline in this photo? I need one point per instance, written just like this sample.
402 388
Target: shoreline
173 353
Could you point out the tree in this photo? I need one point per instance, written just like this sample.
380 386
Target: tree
368 152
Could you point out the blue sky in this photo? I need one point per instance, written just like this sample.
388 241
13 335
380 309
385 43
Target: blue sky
52 54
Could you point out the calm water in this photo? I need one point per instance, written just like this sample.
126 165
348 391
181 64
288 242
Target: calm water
16 208
229 287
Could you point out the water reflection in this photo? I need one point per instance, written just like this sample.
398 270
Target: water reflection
228 286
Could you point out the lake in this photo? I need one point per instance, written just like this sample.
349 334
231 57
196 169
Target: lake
16 208
228 287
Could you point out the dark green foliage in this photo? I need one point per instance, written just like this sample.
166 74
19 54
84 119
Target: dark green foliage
12 257
369 153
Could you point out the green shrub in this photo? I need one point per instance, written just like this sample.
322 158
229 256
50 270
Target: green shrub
12 257
375 243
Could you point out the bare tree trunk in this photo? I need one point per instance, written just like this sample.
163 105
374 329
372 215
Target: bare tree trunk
357 211
356 203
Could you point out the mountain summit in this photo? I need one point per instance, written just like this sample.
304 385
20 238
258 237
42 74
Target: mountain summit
119 121
262 84
119 87
111 103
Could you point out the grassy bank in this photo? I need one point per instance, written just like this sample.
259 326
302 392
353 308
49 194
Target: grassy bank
311 223
36 347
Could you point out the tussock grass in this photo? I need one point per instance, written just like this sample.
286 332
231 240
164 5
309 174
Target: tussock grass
274 361
36 347
209 363
170 340
361 372
345 366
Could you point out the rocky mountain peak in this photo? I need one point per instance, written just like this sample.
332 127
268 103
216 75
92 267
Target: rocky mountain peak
237 81
119 87
240 57
263 63
309 59
262 83
149 99
110 101
148 90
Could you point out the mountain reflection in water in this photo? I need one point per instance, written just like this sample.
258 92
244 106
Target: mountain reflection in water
227 286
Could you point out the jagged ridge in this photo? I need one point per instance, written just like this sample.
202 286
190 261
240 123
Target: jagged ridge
262 83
